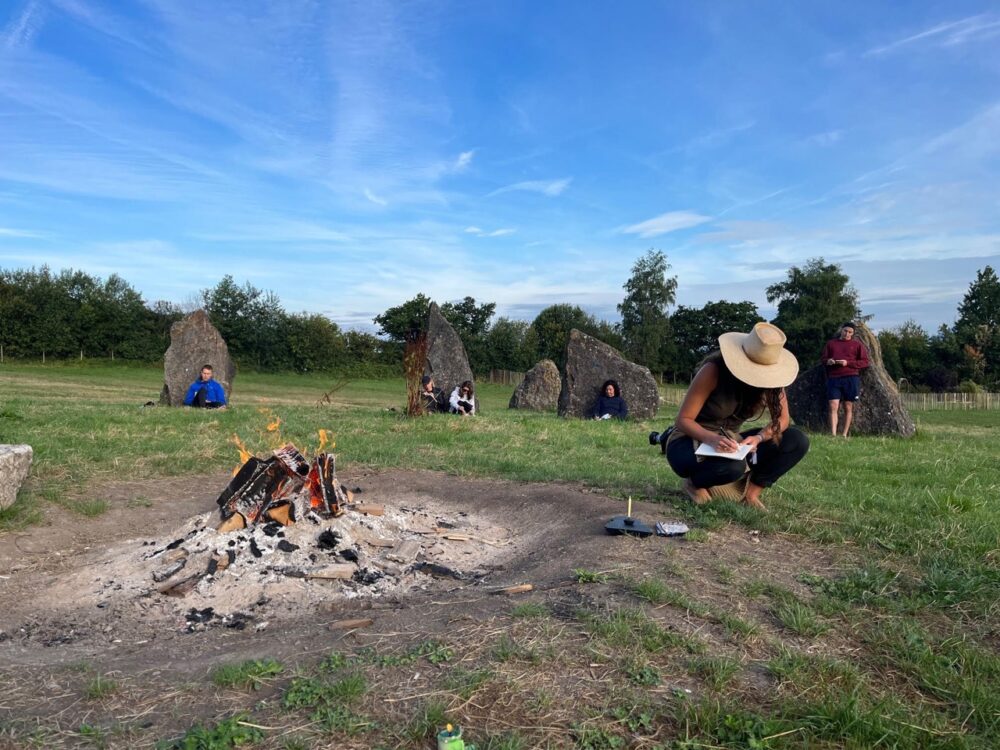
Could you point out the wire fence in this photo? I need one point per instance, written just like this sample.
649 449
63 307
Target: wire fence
928 401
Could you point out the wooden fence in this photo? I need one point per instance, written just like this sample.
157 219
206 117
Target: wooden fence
504 377
926 401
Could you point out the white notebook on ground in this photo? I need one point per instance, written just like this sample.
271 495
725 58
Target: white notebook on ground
705 449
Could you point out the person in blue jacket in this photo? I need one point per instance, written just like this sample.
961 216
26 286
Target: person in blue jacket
610 404
206 393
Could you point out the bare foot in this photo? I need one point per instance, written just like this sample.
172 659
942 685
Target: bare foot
698 495
752 497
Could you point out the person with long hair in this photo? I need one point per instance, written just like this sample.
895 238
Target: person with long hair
463 399
609 404
744 378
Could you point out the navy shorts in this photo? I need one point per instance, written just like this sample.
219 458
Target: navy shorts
846 388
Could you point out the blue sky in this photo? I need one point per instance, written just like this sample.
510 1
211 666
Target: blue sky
347 155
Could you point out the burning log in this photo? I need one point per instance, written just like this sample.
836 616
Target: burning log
273 489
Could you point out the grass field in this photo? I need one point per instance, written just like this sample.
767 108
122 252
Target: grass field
920 611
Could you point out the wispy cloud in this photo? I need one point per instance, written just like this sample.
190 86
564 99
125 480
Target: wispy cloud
828 138
551 188
949 34
671 221
22 29
495 233
20 233
378 200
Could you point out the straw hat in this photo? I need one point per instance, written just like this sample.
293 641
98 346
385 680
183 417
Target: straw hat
759 358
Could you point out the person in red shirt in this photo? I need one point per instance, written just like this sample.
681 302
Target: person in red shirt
844 358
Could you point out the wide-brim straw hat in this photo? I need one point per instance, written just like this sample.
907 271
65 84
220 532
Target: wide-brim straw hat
759 358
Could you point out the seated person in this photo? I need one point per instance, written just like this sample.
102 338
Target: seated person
463 399
206 392
736 383
610 403
431 397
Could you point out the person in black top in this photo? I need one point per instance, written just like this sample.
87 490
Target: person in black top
431 397
610 404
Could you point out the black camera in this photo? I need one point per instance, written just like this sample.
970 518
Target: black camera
660 439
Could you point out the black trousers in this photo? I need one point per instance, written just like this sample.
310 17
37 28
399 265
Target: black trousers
773 461
200 402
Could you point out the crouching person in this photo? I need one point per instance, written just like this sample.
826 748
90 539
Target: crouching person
744 378
206 392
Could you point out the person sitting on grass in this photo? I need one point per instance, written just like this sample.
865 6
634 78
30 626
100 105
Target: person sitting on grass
610 403
745 377
431 397
463 399
206 392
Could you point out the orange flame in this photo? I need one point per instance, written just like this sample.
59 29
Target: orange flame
245 455
324 438
274 424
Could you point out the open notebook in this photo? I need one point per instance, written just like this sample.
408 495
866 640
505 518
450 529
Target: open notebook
737 455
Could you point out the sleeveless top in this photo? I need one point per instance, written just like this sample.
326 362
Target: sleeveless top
718 414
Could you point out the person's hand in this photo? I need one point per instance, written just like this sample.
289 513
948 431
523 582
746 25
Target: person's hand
753 441
723 444
831 362
842 362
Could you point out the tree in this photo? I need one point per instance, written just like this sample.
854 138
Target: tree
510 345
906 352
696 331
645 321
403 321
978 327
471 322
551 330
813 302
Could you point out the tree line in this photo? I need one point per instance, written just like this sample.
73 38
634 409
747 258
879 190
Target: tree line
72 314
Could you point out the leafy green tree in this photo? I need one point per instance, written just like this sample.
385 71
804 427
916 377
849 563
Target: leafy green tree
315 343
645 322
696 330
906 352
978 327
813 302
510 345
471 322
403 321
551 330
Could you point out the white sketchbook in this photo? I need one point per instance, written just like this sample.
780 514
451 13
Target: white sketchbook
705 449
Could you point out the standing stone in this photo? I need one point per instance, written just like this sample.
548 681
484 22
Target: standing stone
589 363
15 463
447 361
540 388
194 342
879 411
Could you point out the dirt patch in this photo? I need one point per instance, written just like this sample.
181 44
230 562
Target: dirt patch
58 609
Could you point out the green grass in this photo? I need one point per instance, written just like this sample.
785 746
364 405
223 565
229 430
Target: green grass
249 675
906 625
101 687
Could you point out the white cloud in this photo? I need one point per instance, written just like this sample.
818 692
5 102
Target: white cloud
551 188
374 198
828 138
20 31
950 34
664 223
21 233
495 233
464 160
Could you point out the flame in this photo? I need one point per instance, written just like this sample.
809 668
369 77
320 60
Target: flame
245 455
274 424
324 438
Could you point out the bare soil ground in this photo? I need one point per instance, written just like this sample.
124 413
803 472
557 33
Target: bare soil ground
54 638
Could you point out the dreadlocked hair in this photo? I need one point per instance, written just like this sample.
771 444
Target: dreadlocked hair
752 401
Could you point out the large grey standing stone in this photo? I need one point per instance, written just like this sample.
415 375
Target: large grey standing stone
194 342
447 361
15 463
879 411
589 363
540 388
